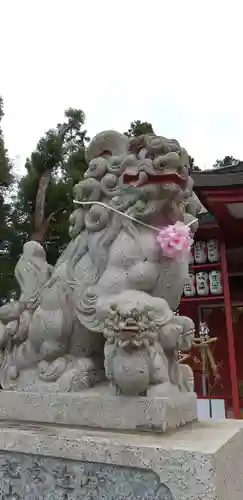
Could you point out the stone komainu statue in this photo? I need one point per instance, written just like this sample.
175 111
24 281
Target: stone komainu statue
106 310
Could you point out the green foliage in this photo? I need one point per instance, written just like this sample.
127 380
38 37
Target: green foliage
6 176
139 128
60 154
226 162
6 182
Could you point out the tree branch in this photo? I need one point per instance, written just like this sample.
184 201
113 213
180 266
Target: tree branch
40 233
39 213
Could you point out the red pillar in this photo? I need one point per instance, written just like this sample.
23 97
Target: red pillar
230 333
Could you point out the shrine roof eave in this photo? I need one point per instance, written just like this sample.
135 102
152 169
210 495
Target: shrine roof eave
227 177
221 193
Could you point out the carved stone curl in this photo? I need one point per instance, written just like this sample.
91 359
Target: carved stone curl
111 285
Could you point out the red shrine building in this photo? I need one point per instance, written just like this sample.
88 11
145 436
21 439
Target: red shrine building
214 291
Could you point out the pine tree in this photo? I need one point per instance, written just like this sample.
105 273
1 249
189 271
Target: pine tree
227 161
44 201
138 128
6 182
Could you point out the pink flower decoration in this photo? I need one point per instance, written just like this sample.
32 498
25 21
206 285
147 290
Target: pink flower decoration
175 241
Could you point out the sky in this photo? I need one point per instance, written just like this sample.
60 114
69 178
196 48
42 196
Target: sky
174 63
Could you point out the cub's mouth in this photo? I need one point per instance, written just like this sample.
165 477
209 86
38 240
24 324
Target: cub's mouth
143 178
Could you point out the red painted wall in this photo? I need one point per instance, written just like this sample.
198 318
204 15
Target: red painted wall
238 337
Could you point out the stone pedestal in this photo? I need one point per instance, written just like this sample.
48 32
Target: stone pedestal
48 460
98 408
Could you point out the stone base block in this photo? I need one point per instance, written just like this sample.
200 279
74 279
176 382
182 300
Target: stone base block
98 408
202 461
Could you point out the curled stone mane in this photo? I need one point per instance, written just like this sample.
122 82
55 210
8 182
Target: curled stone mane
52 331
110 156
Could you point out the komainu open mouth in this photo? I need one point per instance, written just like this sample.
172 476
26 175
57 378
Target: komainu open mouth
145 178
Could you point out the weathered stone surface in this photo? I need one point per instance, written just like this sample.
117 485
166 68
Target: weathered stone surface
202 461
27 477
98 409
108 304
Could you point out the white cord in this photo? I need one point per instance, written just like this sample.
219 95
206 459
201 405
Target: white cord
124 215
